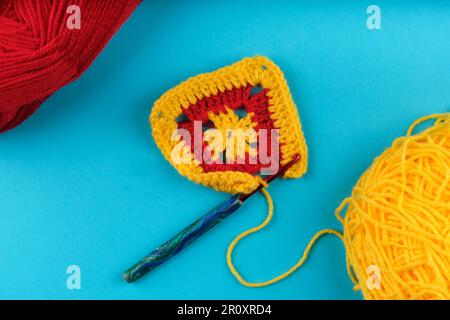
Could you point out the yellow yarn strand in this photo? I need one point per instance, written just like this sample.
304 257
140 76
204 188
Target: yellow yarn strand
398 217
258 228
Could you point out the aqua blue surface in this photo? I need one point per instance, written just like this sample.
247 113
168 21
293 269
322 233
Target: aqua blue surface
82 182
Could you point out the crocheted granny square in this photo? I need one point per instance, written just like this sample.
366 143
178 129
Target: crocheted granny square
250 94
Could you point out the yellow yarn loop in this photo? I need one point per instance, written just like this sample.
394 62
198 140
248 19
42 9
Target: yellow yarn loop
261 226
397 222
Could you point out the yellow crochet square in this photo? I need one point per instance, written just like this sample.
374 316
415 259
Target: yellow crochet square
256 72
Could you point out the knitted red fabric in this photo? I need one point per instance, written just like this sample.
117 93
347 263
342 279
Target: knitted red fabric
39 53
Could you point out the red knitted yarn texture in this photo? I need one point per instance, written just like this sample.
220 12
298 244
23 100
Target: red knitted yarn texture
40 53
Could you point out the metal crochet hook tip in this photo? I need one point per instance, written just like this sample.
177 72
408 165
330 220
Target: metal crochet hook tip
196 229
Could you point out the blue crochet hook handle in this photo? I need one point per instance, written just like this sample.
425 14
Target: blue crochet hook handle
199 227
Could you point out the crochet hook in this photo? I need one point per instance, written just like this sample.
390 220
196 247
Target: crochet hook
195 230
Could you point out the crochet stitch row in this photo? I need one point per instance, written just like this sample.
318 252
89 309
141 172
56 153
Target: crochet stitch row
255 84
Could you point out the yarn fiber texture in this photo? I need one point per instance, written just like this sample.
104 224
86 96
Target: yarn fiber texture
254 85
39 54
397 220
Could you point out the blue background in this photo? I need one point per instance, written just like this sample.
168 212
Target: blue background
82 182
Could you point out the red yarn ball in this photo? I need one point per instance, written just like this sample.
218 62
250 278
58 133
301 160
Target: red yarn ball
40 52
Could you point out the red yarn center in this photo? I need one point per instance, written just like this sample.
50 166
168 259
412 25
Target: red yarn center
249 100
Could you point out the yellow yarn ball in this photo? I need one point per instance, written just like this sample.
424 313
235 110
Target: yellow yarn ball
397 222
